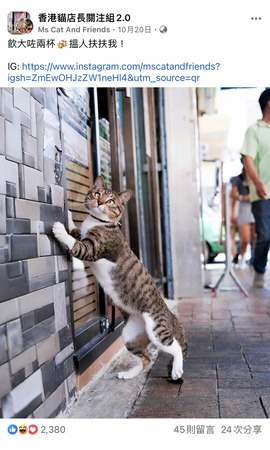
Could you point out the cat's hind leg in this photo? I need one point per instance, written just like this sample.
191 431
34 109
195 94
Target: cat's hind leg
163 338
136 341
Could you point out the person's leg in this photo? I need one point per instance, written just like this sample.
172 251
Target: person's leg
244 231
261 212
234 250
252 242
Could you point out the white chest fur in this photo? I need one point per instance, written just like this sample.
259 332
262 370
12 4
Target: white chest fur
88 223
102 269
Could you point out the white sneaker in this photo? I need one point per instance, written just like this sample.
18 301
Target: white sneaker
242 262
259 280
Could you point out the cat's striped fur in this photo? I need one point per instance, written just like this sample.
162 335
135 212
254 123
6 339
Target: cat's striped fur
125 279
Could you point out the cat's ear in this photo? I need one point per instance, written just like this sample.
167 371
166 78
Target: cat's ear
125 196
99 182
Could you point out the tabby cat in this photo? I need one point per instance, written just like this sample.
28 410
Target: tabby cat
125 279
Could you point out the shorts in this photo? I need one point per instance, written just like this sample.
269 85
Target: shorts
245 215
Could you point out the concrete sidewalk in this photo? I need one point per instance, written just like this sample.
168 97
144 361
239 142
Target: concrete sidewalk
226 374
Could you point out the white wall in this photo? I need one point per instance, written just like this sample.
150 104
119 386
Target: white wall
182 148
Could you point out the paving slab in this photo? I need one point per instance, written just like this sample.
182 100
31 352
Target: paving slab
226 373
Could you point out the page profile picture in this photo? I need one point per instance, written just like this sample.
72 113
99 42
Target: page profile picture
19 22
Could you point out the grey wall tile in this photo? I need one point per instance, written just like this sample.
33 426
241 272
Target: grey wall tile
3 255
18 226
4 291
5 385
21 100
2 214
65 369
44 313
29 148
49 175
27 209
2 136
32 301
23 246
71 383
18 378
8 172
32 179
51 213
28 371
13 138
7 102
48 348
28 338
32 146
65 337
49 377
14 338
38 332
19 285
15 269
10 207
3 344
7 406
41 266
28 320
29 160
9 310
2 175
11 172
25 138
50 406
60 306
22 360
41 282
41 194
28 409
25 393
41 272
33 111
38 94
11 189
45 247
57 195
44 329
64 354
12 286
40 130
25 120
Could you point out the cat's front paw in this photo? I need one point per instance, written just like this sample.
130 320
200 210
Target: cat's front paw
61 234
59 231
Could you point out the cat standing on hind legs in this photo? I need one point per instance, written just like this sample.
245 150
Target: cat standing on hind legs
124 278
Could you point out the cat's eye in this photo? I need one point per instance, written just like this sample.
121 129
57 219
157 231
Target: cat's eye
97 195
111 202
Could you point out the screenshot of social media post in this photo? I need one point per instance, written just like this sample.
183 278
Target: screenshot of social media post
134 224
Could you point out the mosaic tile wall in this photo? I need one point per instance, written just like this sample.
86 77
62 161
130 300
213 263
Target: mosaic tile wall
36 352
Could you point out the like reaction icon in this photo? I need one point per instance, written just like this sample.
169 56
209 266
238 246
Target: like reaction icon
12 429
